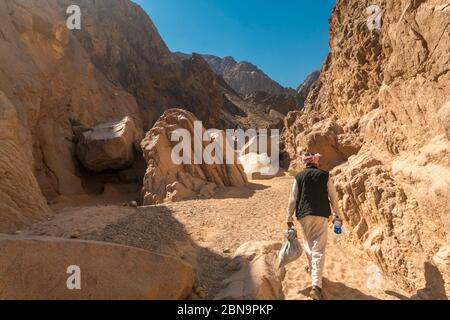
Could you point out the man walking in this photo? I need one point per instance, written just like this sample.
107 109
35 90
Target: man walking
309 200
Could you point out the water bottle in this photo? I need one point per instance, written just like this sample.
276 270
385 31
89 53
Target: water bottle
337 229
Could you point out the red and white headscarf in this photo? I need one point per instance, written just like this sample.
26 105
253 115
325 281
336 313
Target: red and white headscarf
311 158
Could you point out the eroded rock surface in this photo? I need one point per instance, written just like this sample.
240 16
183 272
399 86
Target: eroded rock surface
167 181
442 261
312 133
21 200
388 89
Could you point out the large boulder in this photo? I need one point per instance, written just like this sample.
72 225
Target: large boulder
256 275
167 181
36 268
109 145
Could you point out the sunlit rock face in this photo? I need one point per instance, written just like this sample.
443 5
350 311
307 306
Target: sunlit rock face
388 89
54 81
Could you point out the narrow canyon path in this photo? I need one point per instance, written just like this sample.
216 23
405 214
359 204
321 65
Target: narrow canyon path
236 216
207 232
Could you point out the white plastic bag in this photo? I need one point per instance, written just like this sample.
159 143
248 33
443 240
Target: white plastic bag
291 249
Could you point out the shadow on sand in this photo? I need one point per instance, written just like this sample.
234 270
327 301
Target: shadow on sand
434 286
155 229
339 291
239 193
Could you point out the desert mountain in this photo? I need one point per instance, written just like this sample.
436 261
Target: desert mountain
258 88
243 76
379 114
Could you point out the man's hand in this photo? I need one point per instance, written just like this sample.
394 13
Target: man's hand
336 218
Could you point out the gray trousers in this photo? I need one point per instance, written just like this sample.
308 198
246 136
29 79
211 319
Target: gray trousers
315 232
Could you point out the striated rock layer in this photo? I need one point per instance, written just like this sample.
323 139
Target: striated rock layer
389 90
48 79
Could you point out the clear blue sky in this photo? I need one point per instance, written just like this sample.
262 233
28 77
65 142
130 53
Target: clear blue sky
287 39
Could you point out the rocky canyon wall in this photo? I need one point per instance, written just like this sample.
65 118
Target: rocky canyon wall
46 79
124 44
380 115
53 78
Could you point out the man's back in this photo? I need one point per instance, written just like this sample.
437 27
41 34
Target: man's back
313 193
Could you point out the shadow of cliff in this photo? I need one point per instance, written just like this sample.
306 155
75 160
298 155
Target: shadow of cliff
434 286
339 291
155 229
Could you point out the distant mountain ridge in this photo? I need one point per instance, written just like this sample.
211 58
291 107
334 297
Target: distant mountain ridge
244 77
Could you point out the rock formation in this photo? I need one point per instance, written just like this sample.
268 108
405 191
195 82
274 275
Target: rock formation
258 158
255 273
48 79
109 145
51 78
21 200
166 180
383 96
313 133
121 273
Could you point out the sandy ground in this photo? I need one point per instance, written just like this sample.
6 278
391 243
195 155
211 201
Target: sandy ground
207 232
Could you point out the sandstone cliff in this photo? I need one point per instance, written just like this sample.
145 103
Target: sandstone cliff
46 78
126 47
388 89
52 78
